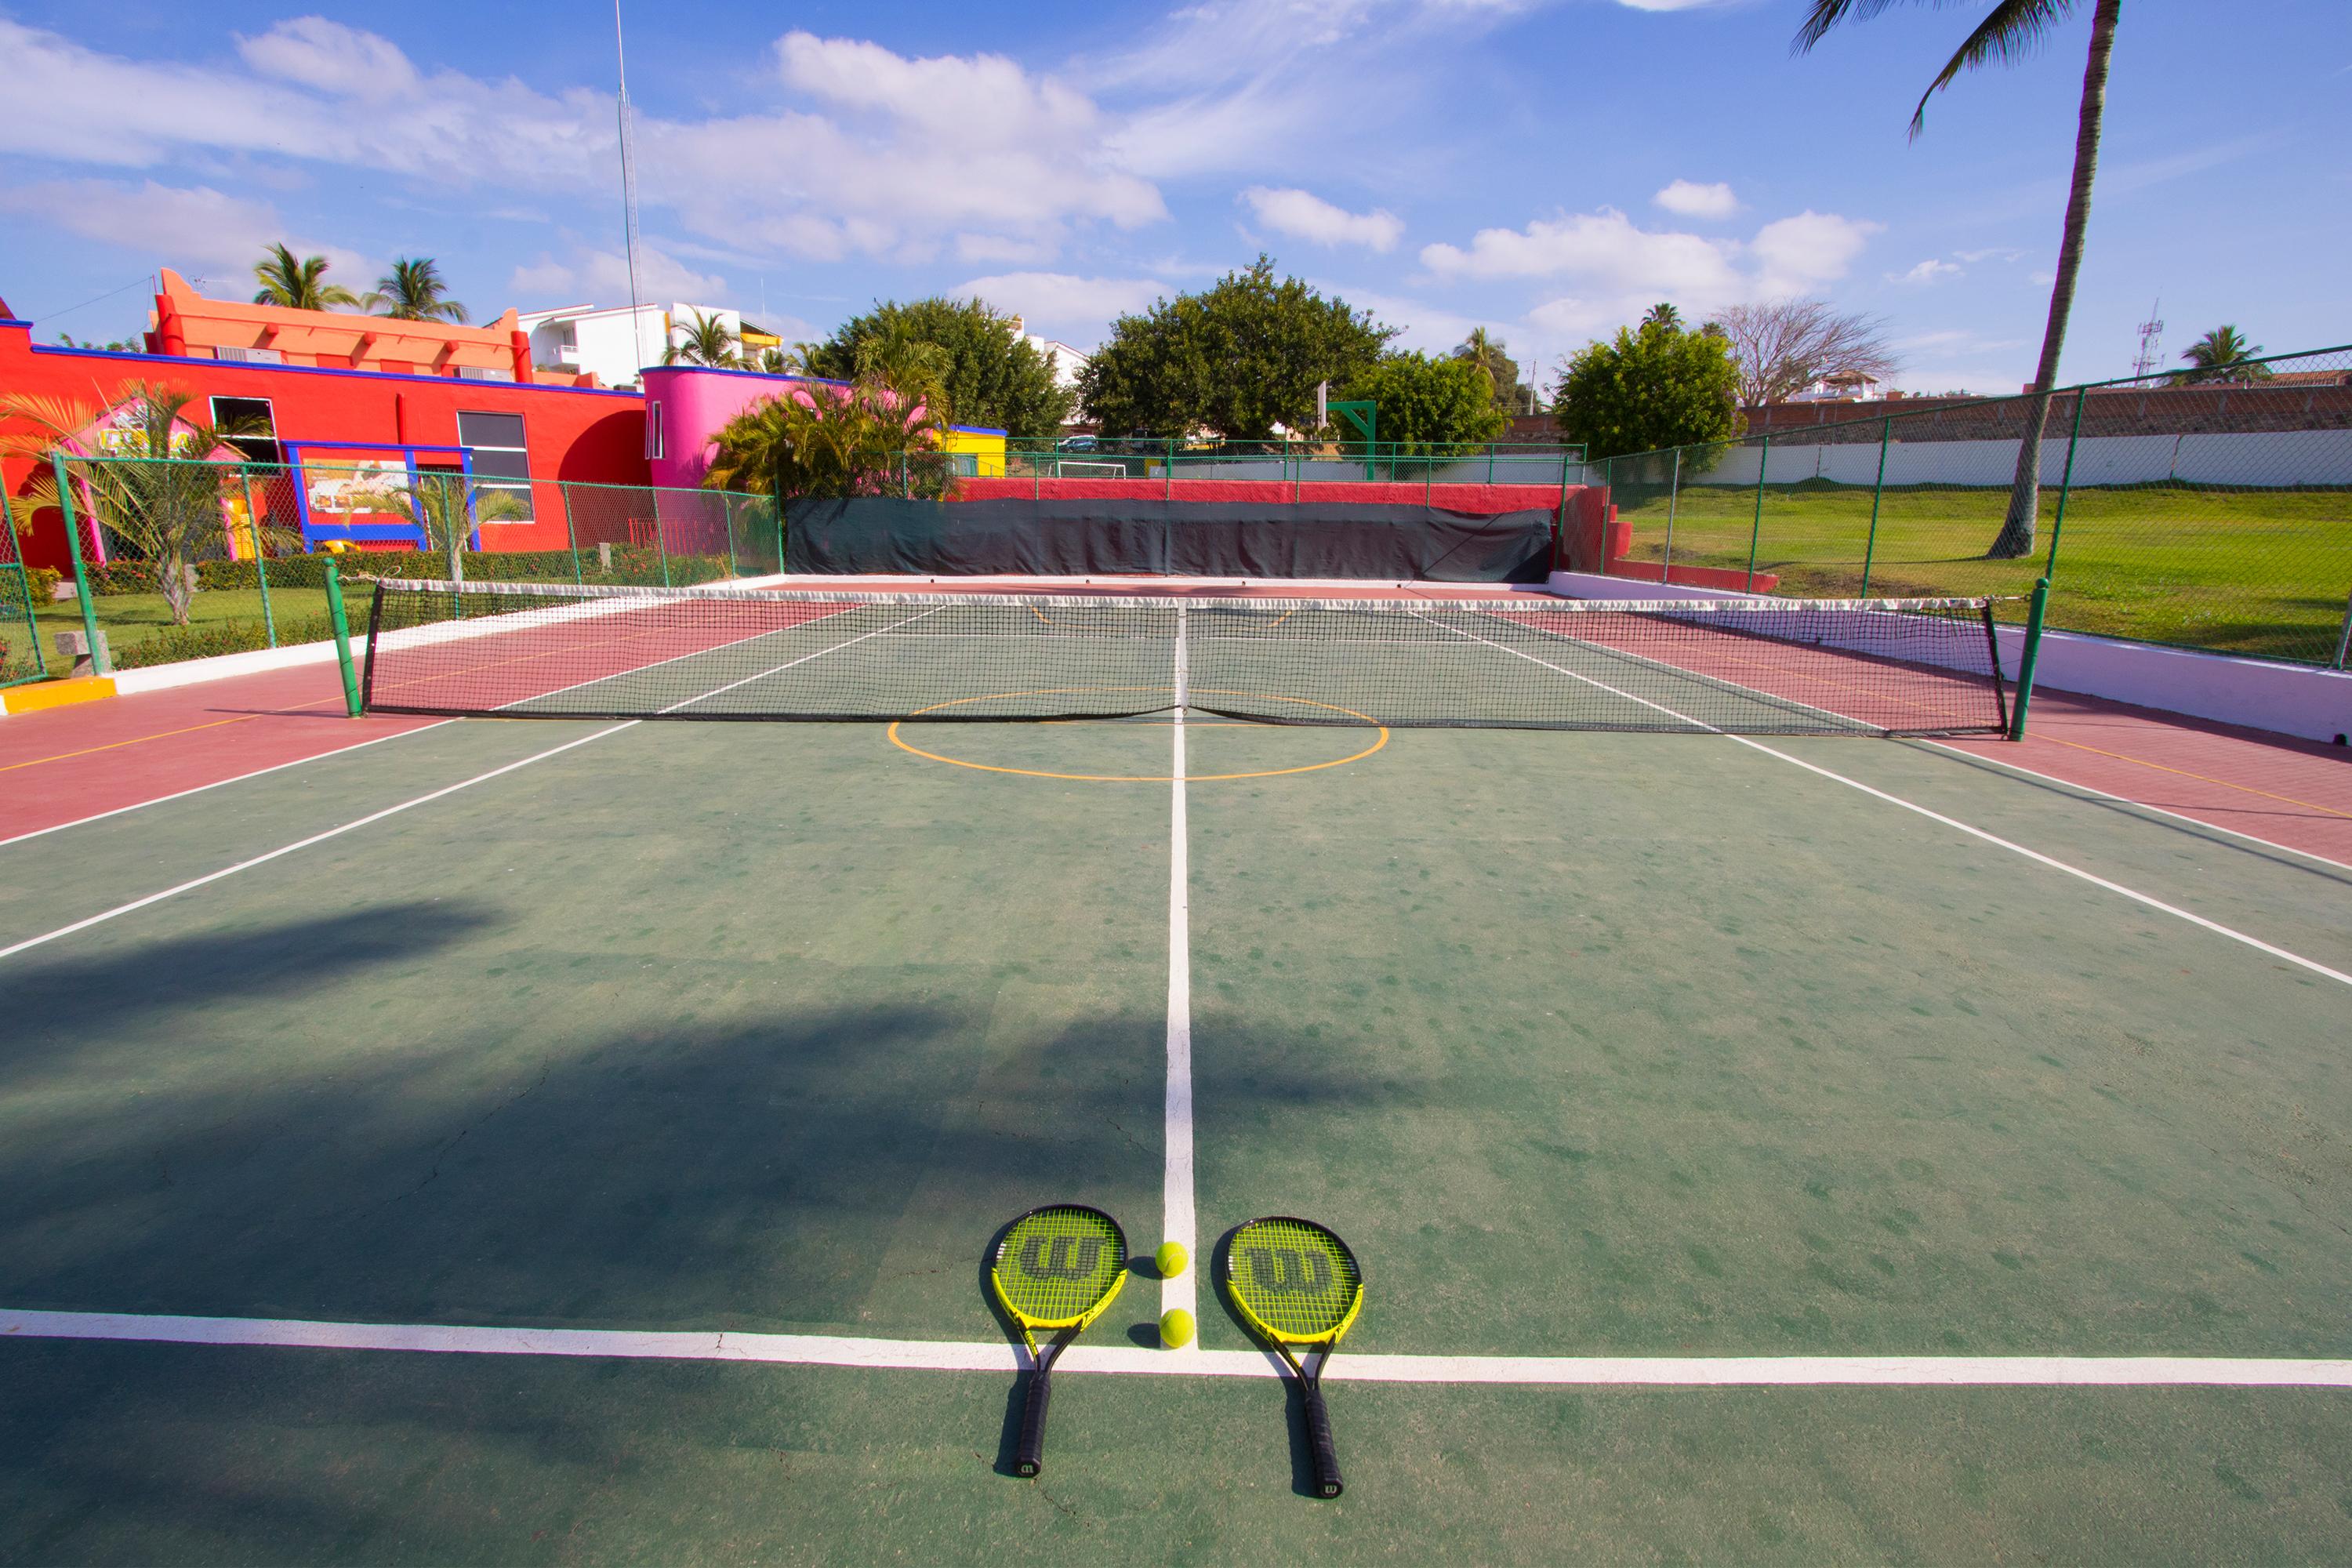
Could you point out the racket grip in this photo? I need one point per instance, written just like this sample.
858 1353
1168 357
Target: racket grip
1318 1441
1031 1457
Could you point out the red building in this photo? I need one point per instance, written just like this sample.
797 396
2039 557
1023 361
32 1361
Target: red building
468 397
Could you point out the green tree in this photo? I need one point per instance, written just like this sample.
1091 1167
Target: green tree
2224 354
1663 314
870 437
1235 361
1659 386
298 284
708 341
1430 403
988 375
1488 353
414 290
2013 30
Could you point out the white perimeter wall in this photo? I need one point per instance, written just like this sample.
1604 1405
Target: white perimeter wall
2277 459
2290 699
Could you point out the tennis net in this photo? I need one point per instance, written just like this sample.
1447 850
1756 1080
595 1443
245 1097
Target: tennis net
1748 666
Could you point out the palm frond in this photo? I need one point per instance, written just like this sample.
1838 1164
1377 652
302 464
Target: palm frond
2013 30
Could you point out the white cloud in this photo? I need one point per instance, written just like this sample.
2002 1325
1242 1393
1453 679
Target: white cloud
1423 326
314 52
1606 247
1797 254
1077 310
1694 200
602 276
1310 217
1994 253
194 229
1928 272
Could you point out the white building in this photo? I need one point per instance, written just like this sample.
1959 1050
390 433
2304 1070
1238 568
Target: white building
612 344
1067 362
1841 386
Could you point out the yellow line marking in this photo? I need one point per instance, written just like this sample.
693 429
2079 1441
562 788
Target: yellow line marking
2184 773
1039 614
903 744
134 741
1284 616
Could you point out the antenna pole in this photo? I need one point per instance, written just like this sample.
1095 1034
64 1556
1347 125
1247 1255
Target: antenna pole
629 190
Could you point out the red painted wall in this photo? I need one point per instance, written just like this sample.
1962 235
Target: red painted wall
573 433
1482 499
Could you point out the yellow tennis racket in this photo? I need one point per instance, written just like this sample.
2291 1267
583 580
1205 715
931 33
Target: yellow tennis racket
1055 1269
1296 1284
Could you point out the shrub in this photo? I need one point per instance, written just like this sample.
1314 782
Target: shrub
41 583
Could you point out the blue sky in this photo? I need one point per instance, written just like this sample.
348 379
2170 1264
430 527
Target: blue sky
1544 167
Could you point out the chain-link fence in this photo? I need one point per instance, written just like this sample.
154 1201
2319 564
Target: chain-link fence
1302 465
21 588
180 559
2208 508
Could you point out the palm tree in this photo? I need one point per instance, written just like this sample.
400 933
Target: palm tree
1663 317
2011 31
298 285
414 291
708 341
1488 353
2224 354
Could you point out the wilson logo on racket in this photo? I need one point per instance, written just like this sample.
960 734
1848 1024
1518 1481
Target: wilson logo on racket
1043 1259
1285 1272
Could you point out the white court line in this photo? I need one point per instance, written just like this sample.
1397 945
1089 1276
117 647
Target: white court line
1178 1222
217 784
2136 805
996 1356
302 844
2033 854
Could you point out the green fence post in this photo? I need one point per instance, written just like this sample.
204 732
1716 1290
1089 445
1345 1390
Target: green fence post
2027 659
727 521
2066 483
98 663
661 545
24 585
1756 528
1877 491
343 639
260 557
571 533
1674 495
2343 637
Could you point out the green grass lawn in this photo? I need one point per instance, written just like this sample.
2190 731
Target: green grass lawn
2252 573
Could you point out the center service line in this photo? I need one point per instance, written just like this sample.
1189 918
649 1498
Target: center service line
1177 1222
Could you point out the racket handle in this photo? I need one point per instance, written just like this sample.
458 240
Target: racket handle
1031 1458
1318 1441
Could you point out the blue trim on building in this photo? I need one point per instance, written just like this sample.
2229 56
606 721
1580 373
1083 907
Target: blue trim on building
326 370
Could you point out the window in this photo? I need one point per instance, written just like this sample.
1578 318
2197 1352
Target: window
247 425
653 428
501 460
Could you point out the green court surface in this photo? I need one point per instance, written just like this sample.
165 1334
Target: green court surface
1613 1054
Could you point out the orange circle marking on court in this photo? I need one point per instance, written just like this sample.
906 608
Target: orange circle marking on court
903 744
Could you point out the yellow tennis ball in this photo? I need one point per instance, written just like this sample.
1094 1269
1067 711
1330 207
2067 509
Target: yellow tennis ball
1175 1328
1171 1258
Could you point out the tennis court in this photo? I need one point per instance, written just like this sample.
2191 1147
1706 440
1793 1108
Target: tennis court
580 1138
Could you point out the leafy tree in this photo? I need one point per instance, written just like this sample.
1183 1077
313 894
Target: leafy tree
707 342
988 373
169 514
297 284
867 438
1235 361
1784 346
2224 354
414 290
1659 386
2013 30
119 345
1427 404
1486 352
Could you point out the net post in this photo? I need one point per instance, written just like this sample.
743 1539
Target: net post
1169 481
1756 528
1877 493
2066 483
2028 658
1674 495
727 523
260 555
343 639
97 659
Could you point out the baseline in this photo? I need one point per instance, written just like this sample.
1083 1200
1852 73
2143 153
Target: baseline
999 1357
